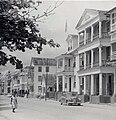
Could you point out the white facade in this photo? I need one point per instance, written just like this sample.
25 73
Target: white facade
91 74
41 76
112 15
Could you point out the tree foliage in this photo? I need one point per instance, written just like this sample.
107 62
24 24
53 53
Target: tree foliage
19 28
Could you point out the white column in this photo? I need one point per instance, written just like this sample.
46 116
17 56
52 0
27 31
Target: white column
63 63
100 57
92 33
92 58
100 84
57 84
63 83
111 52
114 82
78 39
84 36
84 60
92 84
99 29
77 60
85 91
78 84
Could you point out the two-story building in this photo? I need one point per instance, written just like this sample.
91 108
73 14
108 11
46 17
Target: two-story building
44 75
66 65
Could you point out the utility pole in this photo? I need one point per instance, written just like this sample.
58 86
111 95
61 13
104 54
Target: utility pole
47 70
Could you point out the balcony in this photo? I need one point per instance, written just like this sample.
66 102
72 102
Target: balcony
96 64
105 34
81 67
69 69
88 40
88 66
81 43
95 36
113 55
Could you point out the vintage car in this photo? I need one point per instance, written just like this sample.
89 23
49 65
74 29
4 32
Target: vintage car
70 98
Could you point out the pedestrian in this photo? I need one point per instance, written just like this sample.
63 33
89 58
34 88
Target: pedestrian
14 102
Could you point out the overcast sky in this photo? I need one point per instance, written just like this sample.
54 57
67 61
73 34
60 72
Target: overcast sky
54 26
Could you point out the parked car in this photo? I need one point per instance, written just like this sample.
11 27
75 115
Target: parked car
70 98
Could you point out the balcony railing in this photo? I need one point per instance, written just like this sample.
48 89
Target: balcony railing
69 69
95 36
88 40
81 67
113 55
96 64
88 65
105 34
81 43
105 62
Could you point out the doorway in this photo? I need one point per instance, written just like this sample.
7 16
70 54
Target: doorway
69 84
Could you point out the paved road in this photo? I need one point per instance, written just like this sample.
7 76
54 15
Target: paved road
34 109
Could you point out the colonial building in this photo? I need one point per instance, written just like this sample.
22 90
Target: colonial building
91 76
95 77
66 80
112 15
44 75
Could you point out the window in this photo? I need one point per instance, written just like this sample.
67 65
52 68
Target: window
39 89
40 79
113 18
47 69
39 69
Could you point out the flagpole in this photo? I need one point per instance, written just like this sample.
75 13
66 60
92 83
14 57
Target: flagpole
66 27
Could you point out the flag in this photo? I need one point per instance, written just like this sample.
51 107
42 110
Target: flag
66 27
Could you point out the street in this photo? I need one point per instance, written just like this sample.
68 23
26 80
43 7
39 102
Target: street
35 109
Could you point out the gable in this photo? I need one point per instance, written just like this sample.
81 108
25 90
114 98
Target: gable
87 15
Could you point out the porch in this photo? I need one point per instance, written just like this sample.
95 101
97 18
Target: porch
97 88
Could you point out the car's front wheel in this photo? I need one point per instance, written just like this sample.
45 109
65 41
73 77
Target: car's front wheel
78 104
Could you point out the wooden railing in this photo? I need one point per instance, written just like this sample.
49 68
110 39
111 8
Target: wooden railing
105 34
69 69
81 67
88 65
81 43
88 40
95 36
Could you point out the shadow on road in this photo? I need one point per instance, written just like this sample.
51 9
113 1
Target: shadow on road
4 108
3 104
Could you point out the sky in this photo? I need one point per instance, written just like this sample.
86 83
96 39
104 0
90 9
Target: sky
54 27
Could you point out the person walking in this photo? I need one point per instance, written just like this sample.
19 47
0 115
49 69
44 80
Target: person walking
14 102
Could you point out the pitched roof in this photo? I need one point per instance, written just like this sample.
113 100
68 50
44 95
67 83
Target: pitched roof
92 11
111 10
43 61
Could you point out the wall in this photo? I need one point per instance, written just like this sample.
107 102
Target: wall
52 70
